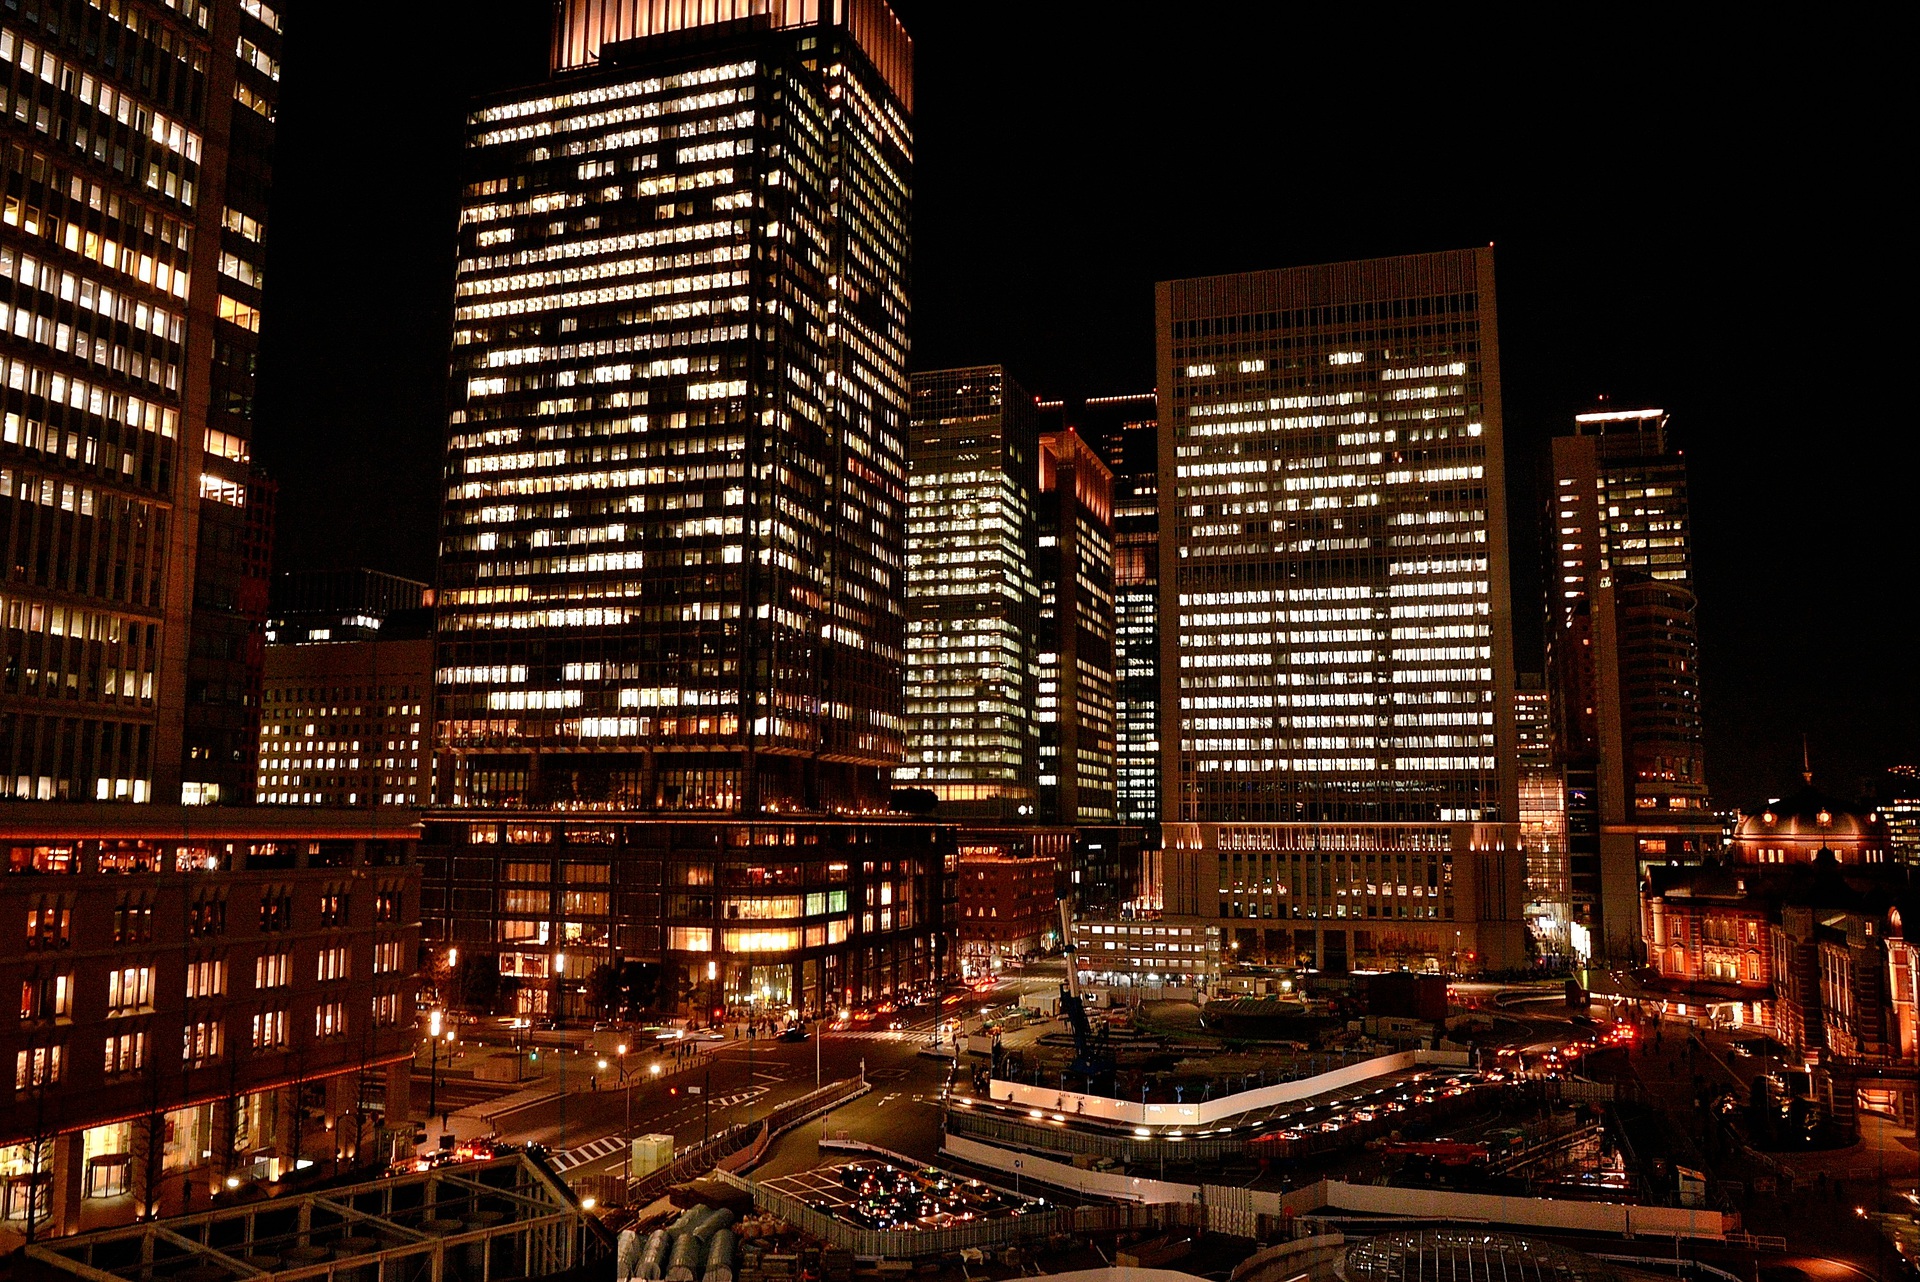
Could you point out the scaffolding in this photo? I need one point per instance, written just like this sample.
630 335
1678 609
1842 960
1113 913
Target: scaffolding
509 1217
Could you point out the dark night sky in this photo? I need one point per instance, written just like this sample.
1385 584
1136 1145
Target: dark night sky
1700 220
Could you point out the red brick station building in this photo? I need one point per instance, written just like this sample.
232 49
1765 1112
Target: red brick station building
1807 930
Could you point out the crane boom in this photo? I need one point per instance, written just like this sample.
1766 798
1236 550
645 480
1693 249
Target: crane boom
1066 943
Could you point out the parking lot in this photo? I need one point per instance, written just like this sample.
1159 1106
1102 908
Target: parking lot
881 1195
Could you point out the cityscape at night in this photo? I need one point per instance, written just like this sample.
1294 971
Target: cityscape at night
830 640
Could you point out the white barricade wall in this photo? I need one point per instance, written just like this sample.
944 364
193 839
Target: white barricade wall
1124 1188
1075 1104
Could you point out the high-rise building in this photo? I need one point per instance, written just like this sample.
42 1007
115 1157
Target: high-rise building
339 605
345 721
1623 656
1336 642
136 142
1134 455
1123 432
972 599
1542 787
1076 700
673 561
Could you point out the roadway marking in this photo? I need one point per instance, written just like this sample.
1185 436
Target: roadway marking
587 1152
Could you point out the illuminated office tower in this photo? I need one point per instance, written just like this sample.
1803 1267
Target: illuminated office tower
1543 808
1076 633
1336 642
972 601
1122 430
673 562
1623 662
136 141
1133 452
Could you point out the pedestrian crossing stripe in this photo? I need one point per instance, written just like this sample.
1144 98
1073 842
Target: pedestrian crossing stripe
587 1152
889 1035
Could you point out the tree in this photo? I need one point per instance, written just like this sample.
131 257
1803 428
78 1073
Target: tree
915 801
604 989
626 988
476 983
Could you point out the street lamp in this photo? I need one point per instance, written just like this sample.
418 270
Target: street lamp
433 1080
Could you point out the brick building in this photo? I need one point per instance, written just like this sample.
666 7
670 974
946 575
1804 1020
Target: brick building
205 995
1007 908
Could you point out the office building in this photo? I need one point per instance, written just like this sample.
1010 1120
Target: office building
345 722
1150 951
339 605
1898 797
209 998
672 585
1076 699
1542 789
1336 641
1123 432
972 599
137 146
1623 655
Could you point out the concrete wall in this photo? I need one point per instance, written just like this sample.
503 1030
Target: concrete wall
1529 1212
1123 1188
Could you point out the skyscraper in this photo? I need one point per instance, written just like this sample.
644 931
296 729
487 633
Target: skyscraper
136 145
1336 641
1623 660
972 600
1076 673
1123 432
1133 452
672 573
349 686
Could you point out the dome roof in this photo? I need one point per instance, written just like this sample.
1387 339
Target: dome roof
1810 815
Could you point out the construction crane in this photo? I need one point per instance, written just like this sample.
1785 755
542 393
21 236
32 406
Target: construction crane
1092 1059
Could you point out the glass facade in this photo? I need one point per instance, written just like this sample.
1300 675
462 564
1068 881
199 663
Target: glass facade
136 148
972 600
1132 450
1076 660
673 568
671 573
1623 653
1543 807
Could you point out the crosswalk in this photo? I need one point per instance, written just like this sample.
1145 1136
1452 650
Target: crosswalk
908 1036
584 1153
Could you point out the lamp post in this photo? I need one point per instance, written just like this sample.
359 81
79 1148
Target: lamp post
626 1087
433 1079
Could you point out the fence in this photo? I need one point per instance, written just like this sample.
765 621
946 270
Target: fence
895 1244
739 1138
1423 1204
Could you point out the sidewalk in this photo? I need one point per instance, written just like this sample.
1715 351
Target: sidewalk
1823 1216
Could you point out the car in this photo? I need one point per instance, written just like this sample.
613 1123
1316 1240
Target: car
896 1024
794 1033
